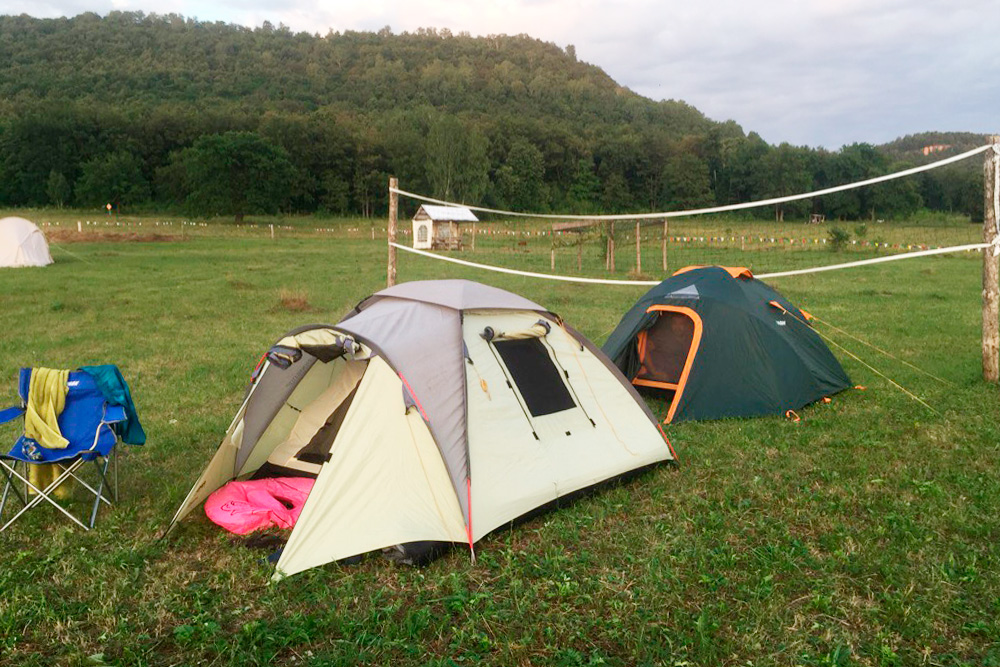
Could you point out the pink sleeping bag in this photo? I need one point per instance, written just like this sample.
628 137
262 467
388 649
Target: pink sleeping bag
243 507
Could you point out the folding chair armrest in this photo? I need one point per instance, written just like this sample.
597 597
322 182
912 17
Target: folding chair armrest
114 414
10 414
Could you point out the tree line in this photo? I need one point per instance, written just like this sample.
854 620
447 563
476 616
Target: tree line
166 113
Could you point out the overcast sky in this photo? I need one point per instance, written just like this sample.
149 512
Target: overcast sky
808 72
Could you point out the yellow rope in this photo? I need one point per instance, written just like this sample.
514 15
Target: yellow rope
874 347
866 365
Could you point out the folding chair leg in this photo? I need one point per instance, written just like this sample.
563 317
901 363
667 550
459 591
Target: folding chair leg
105 490
100 488
43 494
10 486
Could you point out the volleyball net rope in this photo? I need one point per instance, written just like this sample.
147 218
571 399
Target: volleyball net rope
664 215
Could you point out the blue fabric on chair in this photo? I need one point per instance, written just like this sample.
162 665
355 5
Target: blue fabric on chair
90 421
10 414
83 422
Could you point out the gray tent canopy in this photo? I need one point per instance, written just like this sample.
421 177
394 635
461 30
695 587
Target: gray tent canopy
434 411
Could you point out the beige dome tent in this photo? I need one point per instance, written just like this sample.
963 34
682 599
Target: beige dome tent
436 411
22 244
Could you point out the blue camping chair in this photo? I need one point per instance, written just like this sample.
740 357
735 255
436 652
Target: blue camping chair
91 422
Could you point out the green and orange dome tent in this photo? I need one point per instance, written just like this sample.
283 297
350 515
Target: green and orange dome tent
719 343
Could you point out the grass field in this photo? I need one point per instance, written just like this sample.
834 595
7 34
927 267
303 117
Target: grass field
866 534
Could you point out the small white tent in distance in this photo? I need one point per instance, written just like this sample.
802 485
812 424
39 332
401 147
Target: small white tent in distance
436 411
22 244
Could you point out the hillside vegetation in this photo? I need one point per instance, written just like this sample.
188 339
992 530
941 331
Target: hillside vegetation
141 111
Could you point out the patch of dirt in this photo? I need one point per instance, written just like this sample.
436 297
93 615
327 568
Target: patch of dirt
294 301
73 236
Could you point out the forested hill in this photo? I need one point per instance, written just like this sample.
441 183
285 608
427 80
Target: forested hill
138 60
164 112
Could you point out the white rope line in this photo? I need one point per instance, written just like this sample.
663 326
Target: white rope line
529 274
714 209
606 281
878 260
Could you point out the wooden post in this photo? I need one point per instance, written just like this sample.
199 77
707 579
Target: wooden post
638 248
393 213
991 264
552 252
611 247
663 244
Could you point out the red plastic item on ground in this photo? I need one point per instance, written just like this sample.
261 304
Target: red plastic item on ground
243 507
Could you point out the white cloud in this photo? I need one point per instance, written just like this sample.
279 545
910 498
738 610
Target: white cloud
824 72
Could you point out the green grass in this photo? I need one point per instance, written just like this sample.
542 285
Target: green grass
863 535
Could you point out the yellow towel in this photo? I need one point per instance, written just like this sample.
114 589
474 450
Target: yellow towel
43 475
46 399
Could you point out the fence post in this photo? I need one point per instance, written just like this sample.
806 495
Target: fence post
991 263
610 263
552 252
663 244
393 212
638 248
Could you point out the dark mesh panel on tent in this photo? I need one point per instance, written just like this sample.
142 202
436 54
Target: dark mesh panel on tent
664 347
535 375
318 449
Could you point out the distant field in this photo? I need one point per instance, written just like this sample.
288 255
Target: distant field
863 535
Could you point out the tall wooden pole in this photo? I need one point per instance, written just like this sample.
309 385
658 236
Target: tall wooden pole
393 213
991 264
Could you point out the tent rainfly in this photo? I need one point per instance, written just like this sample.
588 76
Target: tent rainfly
435 411
718 343
437 227
22 244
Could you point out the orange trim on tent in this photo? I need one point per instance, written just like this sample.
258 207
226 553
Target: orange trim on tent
692 351
734 271
807 316
653 383
669 446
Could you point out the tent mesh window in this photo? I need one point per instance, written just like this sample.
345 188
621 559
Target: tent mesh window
664 348
318 449
536 377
